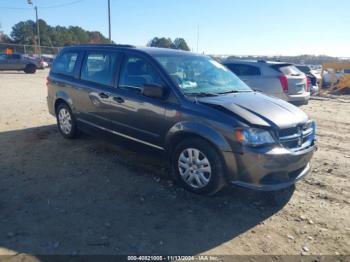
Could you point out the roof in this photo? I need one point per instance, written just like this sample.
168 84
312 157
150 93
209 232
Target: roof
149 50
248 61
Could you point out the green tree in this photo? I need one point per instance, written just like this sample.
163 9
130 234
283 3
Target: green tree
180 43
161 42
24 32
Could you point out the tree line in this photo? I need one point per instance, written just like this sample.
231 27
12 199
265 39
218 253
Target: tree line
25 33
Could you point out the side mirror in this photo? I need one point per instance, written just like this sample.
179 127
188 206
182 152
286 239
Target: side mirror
154 91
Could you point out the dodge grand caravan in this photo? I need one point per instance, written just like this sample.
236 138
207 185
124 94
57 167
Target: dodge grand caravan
215 129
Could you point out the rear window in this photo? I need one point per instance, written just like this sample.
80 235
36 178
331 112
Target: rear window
304 69
244 70
99 68
287 69
64 64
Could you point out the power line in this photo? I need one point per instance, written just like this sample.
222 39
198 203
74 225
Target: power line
62 5
15 8
45 7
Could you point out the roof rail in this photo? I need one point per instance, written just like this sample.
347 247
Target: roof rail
107 45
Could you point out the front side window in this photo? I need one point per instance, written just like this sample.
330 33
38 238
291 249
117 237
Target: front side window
64 64
99 68
199 75
136 72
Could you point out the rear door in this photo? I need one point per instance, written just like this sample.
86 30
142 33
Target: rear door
132 114
297 82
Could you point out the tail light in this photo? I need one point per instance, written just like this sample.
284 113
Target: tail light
308 84
284 83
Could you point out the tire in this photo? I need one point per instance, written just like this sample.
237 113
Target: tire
208 159
66 121
30 69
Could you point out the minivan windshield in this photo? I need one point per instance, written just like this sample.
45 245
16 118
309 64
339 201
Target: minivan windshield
200 75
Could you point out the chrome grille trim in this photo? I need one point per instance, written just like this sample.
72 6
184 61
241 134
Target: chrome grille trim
299 140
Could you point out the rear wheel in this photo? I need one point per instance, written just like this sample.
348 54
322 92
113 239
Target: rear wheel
30 69
198 166
66 121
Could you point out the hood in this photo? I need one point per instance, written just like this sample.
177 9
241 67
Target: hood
259 109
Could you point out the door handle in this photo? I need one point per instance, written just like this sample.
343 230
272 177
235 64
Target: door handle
104 95
118 100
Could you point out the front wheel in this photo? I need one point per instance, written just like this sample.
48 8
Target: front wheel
66 121
198 166
30 69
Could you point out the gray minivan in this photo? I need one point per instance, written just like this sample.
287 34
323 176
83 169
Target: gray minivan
215 129
282 80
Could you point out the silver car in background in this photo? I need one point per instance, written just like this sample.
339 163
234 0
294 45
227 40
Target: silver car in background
282 80
19 62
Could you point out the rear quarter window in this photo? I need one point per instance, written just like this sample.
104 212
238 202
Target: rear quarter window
65 63
244 70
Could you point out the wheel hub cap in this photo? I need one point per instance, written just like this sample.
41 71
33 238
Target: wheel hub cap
194 168
65 121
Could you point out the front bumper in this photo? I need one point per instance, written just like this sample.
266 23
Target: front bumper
271 170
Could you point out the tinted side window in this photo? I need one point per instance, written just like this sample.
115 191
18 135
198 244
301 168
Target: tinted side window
136 72
64 64
288 70
244 70
15 56
99 68
233 68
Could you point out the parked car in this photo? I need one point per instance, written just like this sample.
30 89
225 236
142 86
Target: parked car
282 80
312 78
19 62
215 129
41 64
48 59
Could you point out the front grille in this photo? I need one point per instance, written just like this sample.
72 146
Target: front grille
297 138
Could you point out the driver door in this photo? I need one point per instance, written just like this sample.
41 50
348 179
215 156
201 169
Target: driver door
133 114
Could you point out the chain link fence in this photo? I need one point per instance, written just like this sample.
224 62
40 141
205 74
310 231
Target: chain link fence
29 49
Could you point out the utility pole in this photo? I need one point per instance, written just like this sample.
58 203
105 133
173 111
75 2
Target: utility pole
109 21
30 2
37 28
197 38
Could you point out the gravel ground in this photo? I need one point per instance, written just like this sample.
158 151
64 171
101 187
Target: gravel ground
92 196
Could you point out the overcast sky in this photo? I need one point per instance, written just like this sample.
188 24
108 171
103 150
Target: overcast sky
256 27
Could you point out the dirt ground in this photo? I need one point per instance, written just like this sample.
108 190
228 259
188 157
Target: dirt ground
91 196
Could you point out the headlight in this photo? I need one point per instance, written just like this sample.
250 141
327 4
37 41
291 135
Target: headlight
253 136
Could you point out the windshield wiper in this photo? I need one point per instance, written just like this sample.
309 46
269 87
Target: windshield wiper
234 92
201 94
